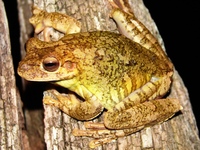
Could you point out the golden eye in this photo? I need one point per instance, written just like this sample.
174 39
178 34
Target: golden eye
50 64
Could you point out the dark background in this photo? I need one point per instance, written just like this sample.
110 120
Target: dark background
178 24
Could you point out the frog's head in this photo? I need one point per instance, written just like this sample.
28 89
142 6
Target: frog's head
47 62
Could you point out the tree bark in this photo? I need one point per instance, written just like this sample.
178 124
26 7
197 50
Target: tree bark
13 135
179 133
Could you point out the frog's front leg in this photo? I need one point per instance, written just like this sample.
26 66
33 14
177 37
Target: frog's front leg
71 105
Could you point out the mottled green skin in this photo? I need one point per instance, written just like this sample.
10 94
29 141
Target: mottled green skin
109 65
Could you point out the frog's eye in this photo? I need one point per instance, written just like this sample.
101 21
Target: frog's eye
50 64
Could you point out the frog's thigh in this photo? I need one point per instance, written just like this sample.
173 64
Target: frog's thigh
145 114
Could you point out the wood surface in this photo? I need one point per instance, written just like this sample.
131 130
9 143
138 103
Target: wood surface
25 129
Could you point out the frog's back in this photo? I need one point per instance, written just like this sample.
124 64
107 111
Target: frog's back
111 65
104 48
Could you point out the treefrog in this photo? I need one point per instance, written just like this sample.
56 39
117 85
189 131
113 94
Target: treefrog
123 75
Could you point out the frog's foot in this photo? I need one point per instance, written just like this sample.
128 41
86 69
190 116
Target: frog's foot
101 134
53 97
120 4
60 22
106 136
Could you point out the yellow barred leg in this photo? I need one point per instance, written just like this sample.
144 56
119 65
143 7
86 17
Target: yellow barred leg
156 87
132 28
121 4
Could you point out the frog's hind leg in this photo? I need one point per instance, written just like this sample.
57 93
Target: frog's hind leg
121 123
144 114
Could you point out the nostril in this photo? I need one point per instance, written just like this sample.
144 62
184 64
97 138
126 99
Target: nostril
24 67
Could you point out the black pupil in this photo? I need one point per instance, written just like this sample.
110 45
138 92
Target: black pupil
50 65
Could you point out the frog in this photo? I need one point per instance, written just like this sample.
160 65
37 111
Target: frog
122 76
